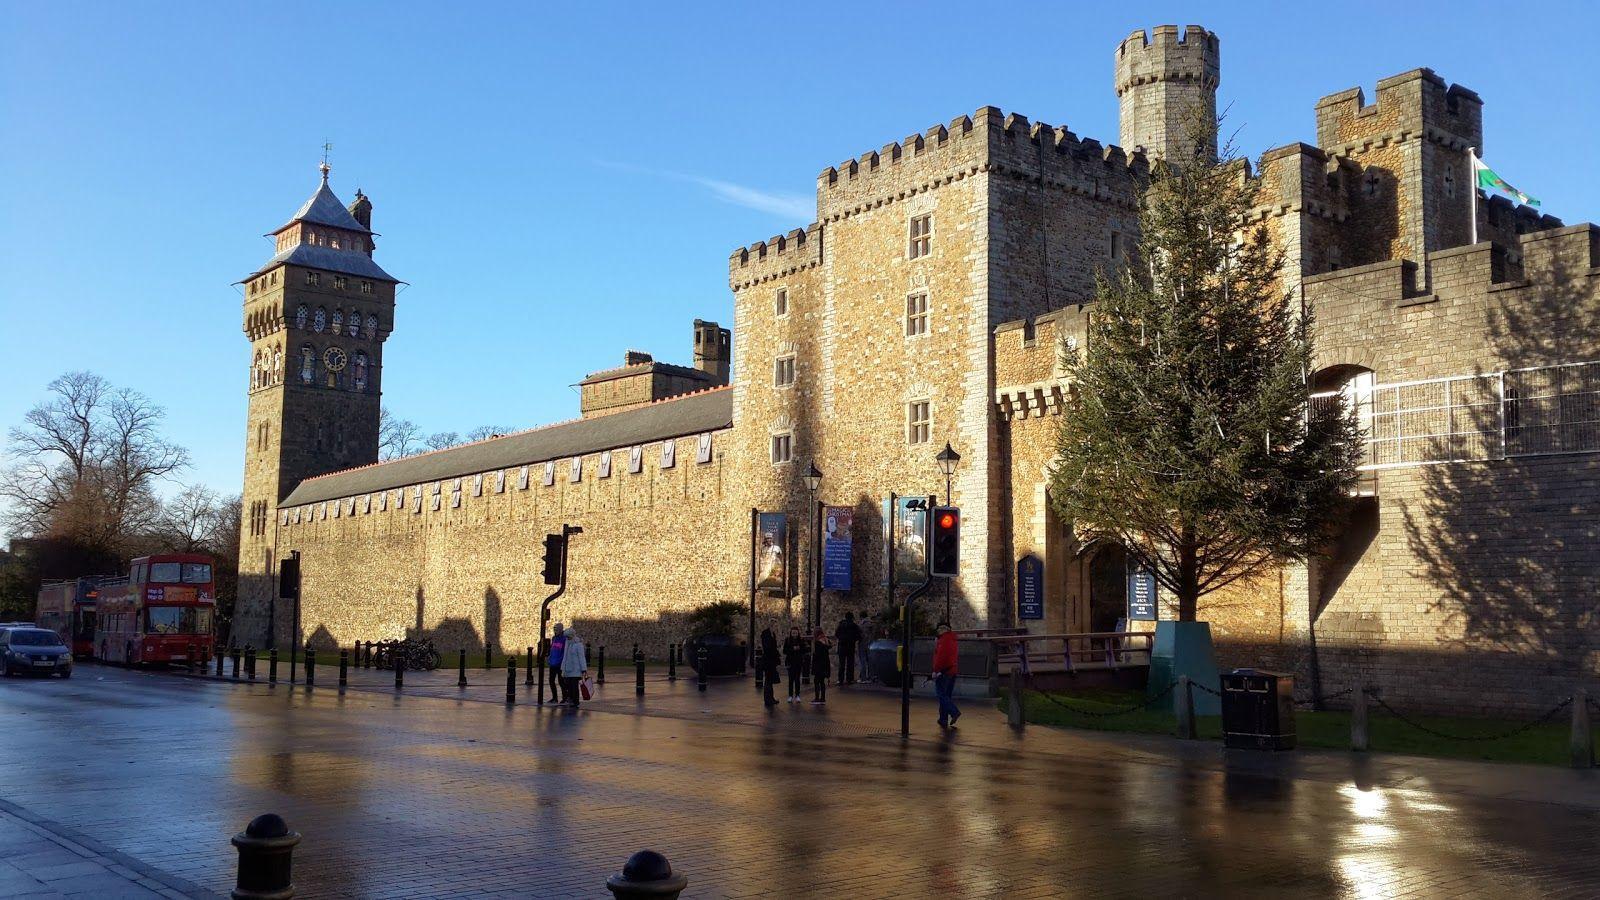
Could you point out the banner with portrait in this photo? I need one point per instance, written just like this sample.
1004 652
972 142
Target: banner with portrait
910 541
772 552
837 546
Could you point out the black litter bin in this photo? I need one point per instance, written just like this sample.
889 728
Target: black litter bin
1258 710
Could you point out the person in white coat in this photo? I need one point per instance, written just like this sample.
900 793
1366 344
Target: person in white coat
574 665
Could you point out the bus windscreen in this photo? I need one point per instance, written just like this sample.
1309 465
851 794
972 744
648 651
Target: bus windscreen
177 620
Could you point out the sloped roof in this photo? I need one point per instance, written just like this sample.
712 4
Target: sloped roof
709 410
347 262
324 209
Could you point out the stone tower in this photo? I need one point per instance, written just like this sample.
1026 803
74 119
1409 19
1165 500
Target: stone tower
1166 82
316 314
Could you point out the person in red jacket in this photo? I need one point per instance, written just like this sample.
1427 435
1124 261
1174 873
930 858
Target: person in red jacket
944 675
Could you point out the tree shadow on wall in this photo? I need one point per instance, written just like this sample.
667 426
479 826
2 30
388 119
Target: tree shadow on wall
1508 542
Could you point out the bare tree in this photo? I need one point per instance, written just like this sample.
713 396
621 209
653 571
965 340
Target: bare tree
484 432
442 439
192 521
85 463
397 437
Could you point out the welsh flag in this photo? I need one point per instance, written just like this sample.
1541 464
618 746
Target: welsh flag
1490 181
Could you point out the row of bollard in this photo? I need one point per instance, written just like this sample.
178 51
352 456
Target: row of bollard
266 862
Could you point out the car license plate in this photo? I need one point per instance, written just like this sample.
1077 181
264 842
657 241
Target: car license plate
43 663
179 658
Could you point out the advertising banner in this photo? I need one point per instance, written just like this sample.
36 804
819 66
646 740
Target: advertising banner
910 541
837 545
772 544
1142 596
1030 588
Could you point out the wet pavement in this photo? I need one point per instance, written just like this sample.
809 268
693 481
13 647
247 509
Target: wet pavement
446 792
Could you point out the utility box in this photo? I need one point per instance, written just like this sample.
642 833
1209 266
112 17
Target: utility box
1258 710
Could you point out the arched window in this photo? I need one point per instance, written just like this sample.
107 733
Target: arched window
300 315
338 321
361 370
320 321
308 363
354 328
372 327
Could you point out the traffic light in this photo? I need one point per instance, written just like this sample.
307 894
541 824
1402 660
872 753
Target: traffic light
945 558
555 546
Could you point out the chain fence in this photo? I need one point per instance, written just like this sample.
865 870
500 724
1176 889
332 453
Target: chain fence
1102 714
1497 736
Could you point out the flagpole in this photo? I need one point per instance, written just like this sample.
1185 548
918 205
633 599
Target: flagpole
1472 185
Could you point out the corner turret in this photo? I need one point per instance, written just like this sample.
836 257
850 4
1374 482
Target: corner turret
1166 83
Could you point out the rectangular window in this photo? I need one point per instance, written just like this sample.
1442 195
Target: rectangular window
780 302
919 422
338 282
917 314
1116 246
782 448
921 236
313 278
366 287
783 371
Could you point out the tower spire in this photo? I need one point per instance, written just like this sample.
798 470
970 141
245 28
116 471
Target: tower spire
326 147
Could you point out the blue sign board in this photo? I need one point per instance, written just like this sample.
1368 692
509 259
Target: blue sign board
836 547
1142 596
1030 588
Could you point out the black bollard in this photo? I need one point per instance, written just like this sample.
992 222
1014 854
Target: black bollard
190 658
511 679
488 654
266 859
601 677
250 662
700 676
760 669
399 673
272 666
647 874
531 662
311 668
461 668
219 662
638 672
344 666
672 662
236 663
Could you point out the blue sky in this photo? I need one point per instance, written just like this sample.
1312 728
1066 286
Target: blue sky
559 183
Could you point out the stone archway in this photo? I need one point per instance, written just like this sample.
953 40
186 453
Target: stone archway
1107 586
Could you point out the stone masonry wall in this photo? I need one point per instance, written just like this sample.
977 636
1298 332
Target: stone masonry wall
468 571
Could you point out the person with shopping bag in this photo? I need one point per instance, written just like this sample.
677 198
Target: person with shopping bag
574 666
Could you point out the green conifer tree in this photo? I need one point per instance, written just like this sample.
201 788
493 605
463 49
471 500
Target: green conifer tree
1191 441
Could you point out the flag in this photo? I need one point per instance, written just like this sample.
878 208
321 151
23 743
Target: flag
1490 181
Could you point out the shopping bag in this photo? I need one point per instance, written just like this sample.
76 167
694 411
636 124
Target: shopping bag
586 688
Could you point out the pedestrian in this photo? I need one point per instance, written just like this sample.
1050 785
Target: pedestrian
574 666
848 637
769 664
795 652
944 674
868 632
558 644
821 646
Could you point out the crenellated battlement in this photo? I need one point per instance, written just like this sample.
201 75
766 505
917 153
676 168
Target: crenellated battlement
1294 179
1416 104
987 140
1164 54
775 257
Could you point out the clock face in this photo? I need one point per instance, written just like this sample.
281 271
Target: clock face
334 359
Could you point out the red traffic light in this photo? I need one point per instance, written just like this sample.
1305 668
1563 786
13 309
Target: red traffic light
947 520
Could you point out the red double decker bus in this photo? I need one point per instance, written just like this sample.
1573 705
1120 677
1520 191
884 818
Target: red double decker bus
68 608
161 613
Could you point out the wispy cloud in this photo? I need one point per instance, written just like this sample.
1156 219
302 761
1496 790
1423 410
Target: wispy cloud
792 207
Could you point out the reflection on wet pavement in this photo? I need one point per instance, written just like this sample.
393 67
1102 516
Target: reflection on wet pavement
418 796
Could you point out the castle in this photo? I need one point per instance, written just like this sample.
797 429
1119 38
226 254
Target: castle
928 304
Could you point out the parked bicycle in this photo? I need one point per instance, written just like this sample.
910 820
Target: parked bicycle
417 655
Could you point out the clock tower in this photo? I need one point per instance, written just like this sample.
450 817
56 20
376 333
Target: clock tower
316 314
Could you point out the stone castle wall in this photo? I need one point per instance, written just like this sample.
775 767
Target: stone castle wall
469 571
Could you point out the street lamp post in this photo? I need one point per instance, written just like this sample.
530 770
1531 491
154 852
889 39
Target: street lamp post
948 459
813 480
